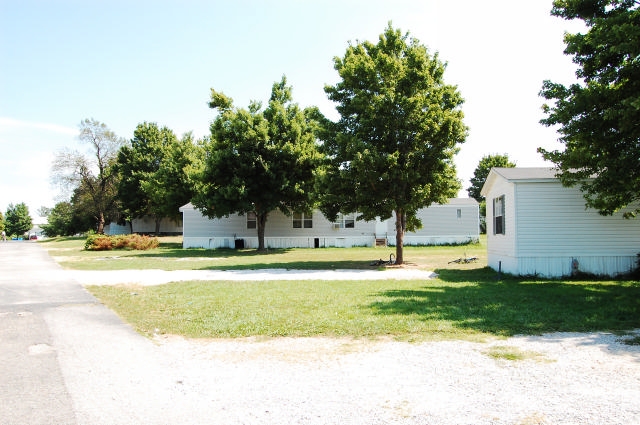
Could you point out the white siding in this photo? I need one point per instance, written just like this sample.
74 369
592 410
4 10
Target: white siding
556 233
441 225
550 233
562 226
501 248
145 225
148 225
201 232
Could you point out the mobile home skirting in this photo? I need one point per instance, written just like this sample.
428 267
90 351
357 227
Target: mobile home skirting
563 266
279 242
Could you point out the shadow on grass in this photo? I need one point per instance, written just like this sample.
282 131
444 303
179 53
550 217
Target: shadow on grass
477 300
175 250
251 255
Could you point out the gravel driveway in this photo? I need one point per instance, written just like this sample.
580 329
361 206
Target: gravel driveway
563 379
568 379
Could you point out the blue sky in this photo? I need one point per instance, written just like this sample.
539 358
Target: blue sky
126 62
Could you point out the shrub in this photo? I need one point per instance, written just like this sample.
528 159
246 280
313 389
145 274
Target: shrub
135 242
99 243
142 242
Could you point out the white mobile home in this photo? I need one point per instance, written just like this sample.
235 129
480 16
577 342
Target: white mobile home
145 225
456 222
281 231
536 226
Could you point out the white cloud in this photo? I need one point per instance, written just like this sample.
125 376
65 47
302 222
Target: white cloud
12 123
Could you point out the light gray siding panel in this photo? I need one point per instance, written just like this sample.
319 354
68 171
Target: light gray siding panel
148 225
553 221
199 231
441 225
501 245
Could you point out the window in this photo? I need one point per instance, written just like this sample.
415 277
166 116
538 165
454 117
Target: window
301 220
459 213
252 221
346 221
498 216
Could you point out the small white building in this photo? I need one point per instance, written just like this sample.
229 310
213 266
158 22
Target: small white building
536 226
456 222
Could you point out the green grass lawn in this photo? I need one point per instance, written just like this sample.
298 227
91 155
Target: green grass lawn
467 301
170 255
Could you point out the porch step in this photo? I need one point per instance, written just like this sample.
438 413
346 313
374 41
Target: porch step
381 241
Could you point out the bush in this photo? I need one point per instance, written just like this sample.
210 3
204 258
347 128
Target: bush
96 242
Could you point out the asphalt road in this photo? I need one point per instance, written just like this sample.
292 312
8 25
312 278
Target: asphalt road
67 359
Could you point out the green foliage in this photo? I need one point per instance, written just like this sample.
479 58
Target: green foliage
2 224
17 219
258 161
171 185
392 149
598 117
154 171
101 242
482 171
62 221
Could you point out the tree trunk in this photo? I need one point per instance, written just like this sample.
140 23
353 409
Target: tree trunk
158 220
401 225
100 229
262 221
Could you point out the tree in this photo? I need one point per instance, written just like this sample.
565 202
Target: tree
597 118
482 171
153 173
392 149
64 220
91 177
58 219
171 185
480 176
259 161
17 219
2 224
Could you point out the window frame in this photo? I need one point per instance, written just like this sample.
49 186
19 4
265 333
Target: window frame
346 221
252 220
499 214
303 220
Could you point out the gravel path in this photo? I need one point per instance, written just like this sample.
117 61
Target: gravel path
564 378
568 379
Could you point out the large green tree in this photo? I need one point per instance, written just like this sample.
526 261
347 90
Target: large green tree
598 117
92 175
59 220
17 219
259 161
154 173
171 185
400 125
